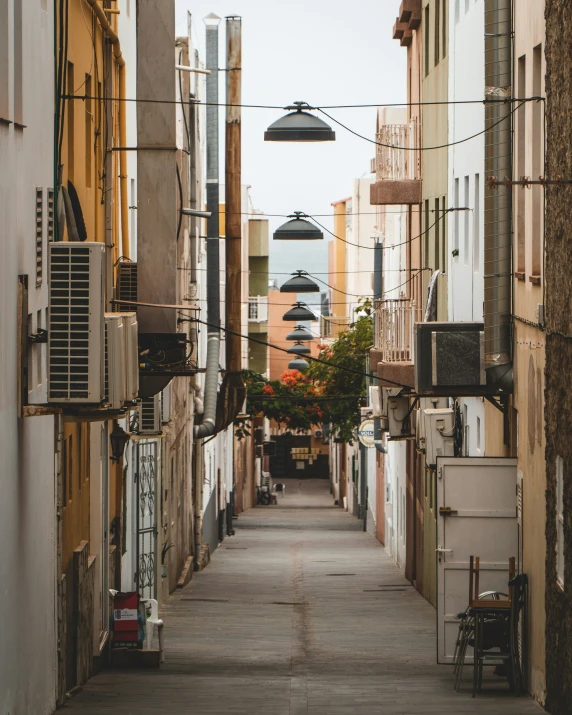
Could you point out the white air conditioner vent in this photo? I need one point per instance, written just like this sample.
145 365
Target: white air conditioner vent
75 324
126 289
150 415
39 236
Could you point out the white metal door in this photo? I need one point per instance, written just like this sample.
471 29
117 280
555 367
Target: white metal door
477 515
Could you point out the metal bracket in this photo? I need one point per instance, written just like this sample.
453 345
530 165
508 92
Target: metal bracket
501 404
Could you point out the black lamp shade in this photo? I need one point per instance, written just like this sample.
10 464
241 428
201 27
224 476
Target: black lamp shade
300 283
298 313
298 229
298 364
299 349
299 333
299 126
118 439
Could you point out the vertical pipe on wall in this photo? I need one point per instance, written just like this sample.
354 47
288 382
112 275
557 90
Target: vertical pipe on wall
498 202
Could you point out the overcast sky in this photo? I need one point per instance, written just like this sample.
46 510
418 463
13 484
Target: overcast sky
324 52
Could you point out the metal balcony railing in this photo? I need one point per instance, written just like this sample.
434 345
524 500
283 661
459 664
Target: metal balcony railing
258 309
394 321
392 161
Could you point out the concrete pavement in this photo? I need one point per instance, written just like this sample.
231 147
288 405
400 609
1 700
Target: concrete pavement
301 612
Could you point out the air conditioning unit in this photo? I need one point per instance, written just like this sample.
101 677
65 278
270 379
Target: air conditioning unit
426 403
150 415
115 360
385 394
132 352
126 286
76 323
399 417
450 359
375 401
439 436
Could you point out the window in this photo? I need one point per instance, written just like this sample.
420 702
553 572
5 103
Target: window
466 435
457 226
477 225
39 235
560 521
467 216
437 30
537 142
479 433
521 168
252 309
426 20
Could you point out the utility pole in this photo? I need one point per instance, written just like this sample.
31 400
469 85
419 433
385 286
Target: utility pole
233 203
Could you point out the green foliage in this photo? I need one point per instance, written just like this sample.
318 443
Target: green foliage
324 393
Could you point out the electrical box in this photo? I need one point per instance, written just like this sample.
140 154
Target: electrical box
439 434
399 417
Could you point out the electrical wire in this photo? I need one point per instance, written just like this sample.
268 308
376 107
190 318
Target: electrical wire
421 148
252 339
325 106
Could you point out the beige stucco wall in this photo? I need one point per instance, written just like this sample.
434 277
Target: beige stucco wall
529 341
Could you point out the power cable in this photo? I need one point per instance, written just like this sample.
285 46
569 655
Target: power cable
251 339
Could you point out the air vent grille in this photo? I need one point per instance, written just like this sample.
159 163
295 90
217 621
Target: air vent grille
127 286
50 229
149 415
39 236
75 322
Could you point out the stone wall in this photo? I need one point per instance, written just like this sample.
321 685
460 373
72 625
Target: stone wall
558 289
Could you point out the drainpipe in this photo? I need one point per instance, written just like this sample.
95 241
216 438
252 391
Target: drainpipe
207 426
99 12
498 202
377 296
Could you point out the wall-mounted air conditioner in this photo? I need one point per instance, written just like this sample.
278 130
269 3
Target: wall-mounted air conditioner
450 360
150 415
440 434
426 403
115 360
399 417
76 323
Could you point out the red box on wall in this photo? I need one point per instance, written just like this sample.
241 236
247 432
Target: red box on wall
127 631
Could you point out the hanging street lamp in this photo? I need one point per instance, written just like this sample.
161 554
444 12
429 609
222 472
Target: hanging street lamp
300 283
298 364
298 229
299 349
300 333
298 313
299 126
118 439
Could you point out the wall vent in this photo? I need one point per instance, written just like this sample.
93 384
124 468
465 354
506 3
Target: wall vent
126 288
75 322
39 236
50 227
150 415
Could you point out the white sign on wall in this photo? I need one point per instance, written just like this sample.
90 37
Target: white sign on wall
365 433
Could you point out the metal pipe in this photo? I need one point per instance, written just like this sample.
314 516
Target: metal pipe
208 425
498 202
233 195
196 70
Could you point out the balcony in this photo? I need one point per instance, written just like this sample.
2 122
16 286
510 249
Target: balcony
258 314
397 165
393 349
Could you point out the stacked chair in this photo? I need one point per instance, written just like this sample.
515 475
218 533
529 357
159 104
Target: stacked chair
490 625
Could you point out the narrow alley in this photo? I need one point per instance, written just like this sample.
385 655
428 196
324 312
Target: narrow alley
307 615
